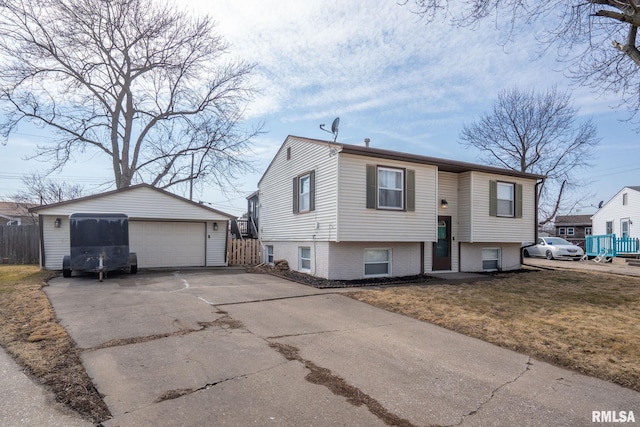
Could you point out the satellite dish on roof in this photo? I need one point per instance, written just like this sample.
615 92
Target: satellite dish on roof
334 128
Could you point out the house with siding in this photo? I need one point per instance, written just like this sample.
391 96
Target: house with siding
620 215
342 211
573 228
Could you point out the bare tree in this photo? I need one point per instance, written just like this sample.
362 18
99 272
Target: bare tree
598 39
41 190
140 82
535 133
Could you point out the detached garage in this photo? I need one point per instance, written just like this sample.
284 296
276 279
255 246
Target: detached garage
165 230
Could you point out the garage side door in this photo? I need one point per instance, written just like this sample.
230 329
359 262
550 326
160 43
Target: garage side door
168 244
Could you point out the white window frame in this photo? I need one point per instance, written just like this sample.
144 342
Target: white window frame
588 231
498 259
389 262
623 222
562 231
608 227
269 254
394 189
304 196
512 200
302 259
571 231
625 199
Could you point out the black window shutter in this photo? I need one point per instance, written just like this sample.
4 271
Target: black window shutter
411 190
518 201
493 198
371 187
312 190
295 195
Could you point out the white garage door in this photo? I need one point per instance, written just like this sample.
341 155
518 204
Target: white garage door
168 244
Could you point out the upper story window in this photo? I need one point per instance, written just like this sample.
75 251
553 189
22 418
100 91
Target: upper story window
624 199
571 231
588 231
506 199
304 192
390 188
562 231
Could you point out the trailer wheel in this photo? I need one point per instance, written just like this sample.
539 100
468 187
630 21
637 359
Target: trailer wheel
133 263
66 266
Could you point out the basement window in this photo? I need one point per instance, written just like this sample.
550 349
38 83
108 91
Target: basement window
304 258
377 262
490 259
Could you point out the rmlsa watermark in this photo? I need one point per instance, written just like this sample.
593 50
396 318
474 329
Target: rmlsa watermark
613 417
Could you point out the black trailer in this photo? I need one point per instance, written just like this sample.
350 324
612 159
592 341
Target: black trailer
99 243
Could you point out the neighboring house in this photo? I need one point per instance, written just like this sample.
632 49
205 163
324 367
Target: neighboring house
14 213
573 228
620 215
342 211
246 227
165 230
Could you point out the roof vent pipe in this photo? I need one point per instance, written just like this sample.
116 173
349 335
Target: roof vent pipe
366 142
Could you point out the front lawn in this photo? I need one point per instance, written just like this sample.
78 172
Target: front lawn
588 322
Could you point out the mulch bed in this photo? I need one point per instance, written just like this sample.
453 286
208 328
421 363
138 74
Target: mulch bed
320 283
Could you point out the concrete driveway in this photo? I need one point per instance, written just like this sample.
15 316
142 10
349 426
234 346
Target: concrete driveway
227 348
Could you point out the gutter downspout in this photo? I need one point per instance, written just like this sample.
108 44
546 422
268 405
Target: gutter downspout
535 231
535 234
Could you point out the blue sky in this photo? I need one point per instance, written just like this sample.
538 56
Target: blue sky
405 84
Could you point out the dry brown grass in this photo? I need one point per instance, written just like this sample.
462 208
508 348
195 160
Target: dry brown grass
30 332
587 322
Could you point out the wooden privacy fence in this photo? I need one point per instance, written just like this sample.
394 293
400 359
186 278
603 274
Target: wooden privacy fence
19 244
244 252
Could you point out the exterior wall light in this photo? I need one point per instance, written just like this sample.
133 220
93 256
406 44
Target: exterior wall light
444 204
215 226
57 223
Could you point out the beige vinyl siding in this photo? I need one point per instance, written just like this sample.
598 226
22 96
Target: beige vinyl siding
217 244
448 189
57 242
277 220
357 223
137 203
464 207
486 228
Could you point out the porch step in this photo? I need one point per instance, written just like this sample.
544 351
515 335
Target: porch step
633 262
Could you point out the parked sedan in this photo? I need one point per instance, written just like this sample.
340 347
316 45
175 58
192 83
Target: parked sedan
554 247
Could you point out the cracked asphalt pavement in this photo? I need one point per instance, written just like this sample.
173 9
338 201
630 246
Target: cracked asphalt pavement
226 348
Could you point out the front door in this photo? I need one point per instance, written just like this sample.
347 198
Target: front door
442 248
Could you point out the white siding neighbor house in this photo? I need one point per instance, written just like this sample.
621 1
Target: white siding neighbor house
620 215
165 230
341 211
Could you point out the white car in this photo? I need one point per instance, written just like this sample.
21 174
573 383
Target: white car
553 247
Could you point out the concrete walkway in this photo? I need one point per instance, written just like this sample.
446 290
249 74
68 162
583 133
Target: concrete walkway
203 348
26 403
